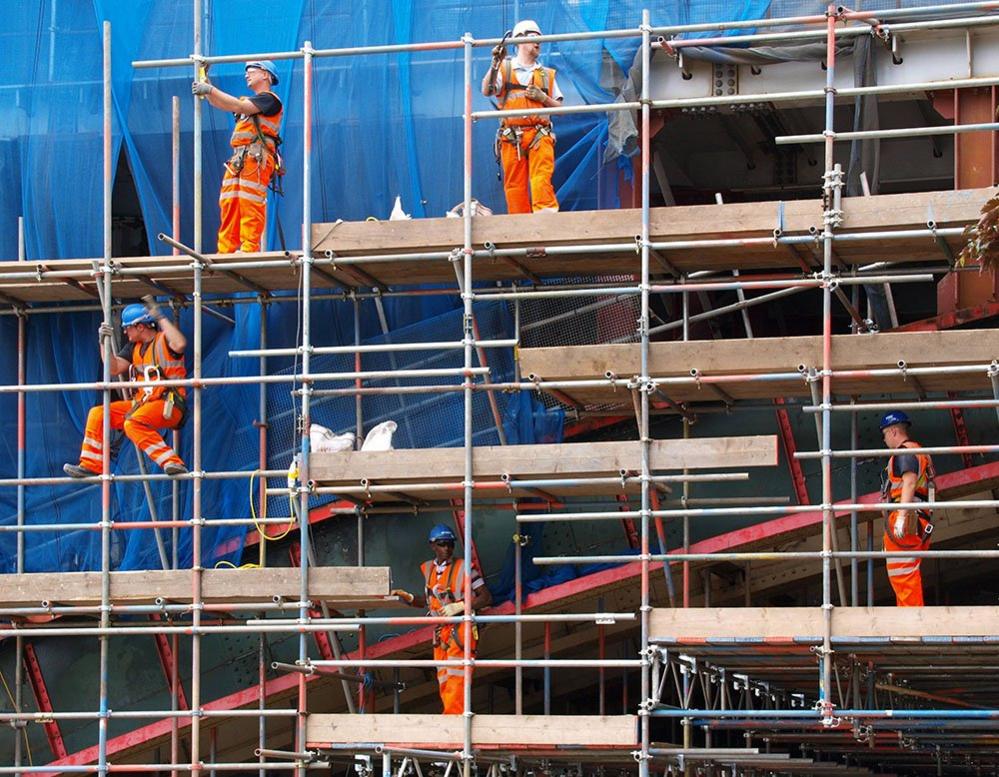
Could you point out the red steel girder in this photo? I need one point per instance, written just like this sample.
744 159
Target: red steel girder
960 431
43 700
790 448
630 530
165 653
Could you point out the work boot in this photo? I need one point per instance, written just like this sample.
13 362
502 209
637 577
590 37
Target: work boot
174 468
76 471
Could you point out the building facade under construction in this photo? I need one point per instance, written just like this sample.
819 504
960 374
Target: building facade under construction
652 420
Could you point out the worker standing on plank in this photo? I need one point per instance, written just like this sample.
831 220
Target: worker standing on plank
255 158
155 351
444 578
525 145
909 477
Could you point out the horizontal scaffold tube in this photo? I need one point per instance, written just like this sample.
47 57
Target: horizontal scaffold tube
904 132
764 555
376 348
123 631
494 663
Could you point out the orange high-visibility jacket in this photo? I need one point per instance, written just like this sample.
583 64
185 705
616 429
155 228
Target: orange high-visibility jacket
446 588
157 355
893 482
246 132
512 95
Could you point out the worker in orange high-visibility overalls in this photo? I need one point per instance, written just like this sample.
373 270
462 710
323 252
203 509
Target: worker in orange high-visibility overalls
525 144
444 591
255 157
908 478
155 351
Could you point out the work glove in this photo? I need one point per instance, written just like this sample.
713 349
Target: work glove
105 331
152 307
898 524
406 596
201 88
453 609
534 93
499 54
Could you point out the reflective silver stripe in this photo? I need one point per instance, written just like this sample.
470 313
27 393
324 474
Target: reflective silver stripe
250 197
163 458
902 570
92 442
92 456
247 184
243 196
156 448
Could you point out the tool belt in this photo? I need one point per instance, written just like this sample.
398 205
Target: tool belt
174 400
513 135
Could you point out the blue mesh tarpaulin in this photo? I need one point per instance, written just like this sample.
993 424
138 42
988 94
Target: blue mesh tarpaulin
384 125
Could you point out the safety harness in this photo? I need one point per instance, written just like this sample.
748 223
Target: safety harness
891 487
512 93
437 599
151 365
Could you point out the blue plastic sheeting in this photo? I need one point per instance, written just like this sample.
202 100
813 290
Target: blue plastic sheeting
384 125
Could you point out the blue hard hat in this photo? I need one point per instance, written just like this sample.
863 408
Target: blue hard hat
135 314
441 532
264 64
894 417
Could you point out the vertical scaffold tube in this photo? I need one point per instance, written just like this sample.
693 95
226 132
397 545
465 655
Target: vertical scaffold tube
196 462
175 434
643 327
825 681
467 329
102 724
303 520
22 344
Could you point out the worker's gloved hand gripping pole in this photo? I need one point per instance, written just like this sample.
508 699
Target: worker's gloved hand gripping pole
499 54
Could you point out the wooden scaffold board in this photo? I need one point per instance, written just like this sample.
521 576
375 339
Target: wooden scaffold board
491 464
748 358
341 586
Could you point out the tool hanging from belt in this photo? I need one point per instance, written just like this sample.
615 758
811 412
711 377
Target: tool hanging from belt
514 134
172 399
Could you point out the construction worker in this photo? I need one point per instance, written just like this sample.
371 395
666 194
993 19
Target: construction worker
444 590
255 158
525 144
909 477
155 351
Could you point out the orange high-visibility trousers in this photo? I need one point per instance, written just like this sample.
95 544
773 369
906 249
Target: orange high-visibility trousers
243 206
903 571
527 176
451 679
140 427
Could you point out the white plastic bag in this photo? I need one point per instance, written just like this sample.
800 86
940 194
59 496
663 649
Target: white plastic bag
323 440
380 437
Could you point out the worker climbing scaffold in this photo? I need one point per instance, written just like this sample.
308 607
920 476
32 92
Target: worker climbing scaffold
155 351
444 579
909 477
525 145
256 156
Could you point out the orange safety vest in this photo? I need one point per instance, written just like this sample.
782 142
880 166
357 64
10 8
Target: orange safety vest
156 362
446 588
512 94
245 132
924 477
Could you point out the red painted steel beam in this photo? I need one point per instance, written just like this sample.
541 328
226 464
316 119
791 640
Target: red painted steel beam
165 654
790 448
286 685
960 431
37 681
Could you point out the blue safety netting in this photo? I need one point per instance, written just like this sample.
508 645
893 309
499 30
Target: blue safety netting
384 125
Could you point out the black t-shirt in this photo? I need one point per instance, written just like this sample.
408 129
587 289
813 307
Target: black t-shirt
267 103
905 462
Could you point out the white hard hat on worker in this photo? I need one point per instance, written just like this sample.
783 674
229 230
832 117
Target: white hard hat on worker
526 27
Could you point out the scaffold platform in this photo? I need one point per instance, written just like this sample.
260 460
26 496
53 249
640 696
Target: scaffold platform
523 470
765 368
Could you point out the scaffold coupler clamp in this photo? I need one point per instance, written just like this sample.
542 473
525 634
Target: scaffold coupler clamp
993 371
828 719
639 755
455 255
863 734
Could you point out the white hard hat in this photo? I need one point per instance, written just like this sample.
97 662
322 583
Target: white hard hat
524 27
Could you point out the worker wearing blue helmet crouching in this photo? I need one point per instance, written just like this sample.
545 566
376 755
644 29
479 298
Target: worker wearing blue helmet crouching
154 352
255 156
444 591
909 477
